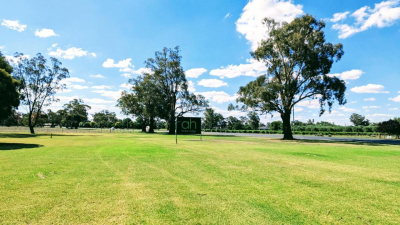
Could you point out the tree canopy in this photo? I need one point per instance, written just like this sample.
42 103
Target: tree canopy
359 120
39 83
162 92
9 99
299 61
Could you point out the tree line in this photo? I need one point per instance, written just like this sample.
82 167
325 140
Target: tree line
297 56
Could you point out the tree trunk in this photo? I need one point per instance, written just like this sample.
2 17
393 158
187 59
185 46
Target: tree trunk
287 131
172 122
30 124
151 125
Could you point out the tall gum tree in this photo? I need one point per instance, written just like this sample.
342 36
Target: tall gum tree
169 77
299 61
39 83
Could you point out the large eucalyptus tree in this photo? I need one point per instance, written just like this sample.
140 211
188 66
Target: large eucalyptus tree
299 61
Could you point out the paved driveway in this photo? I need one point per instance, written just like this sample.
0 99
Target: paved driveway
317 138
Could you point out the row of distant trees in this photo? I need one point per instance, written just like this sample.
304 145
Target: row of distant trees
297 56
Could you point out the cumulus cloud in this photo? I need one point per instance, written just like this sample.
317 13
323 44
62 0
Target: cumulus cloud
70 80
44 33
394 109
252 68
97 101
70 53
13 25
395 99
195 72
311 104
212 83
126 75
139 71
218 96
348 75
97 76
2 47
369 99
191 86
383 14
339 16
109 63
369 88
250 22
345 109
102 87
126 86
79 87
371 107
111 94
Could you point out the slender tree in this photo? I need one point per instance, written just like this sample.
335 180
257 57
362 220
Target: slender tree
298 60
40 82
359 120
169 76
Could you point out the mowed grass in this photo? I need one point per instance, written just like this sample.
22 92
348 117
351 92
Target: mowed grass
148 179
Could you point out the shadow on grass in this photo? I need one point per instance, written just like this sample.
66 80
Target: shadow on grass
17 146
352 142
7 135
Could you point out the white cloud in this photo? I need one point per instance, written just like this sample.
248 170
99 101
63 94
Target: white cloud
195 72
13 25
369 88
226 113
371 107
253 68
70 80
250 22
44 33
353 102
379 115
102 87
227 15
345 109
191 86
218 96
311 104
97 101
109 63
384 14
133 71
126 75
348 75
369 99
126 86
212 83
111 94
339 16
395 99
97 76
2 46
394 109
80 87
70 53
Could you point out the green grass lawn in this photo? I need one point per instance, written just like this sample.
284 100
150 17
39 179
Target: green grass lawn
147 178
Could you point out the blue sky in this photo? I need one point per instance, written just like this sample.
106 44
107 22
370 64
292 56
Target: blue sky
103 43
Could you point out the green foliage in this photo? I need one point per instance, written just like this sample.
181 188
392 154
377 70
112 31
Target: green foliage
359 120
75 112
212 119
389 127
9 99
167 91
276 125
299 61
39 83
105 119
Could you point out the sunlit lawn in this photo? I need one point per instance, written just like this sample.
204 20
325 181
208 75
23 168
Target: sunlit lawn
147 178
